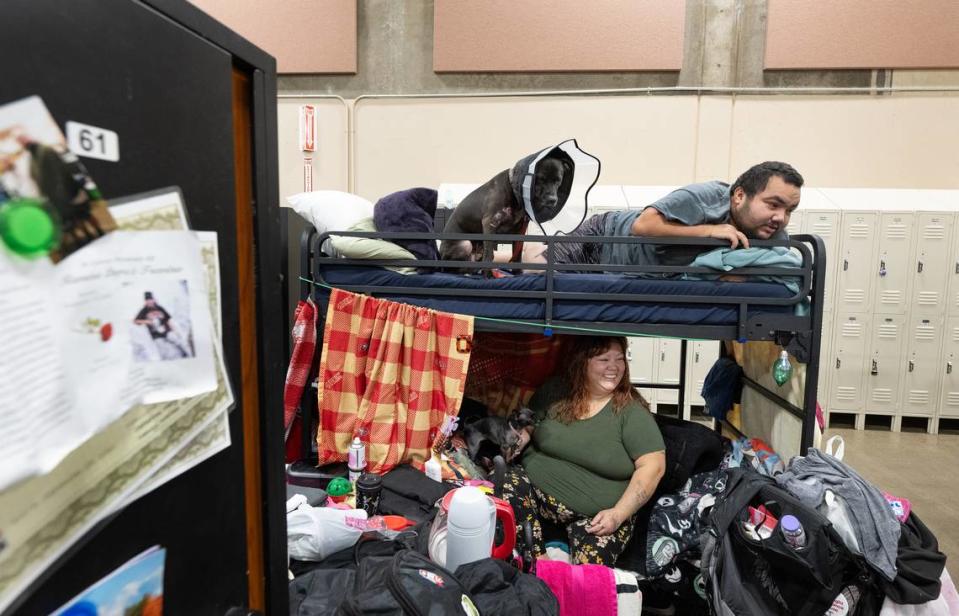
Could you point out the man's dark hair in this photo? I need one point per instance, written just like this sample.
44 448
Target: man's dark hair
754 179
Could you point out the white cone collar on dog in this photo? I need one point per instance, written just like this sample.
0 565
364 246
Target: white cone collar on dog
585 174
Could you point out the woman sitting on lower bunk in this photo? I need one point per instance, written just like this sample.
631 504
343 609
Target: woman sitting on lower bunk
596 454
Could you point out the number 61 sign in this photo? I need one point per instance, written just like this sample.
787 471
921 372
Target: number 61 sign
93 142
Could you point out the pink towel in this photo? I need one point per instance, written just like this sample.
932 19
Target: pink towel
582 590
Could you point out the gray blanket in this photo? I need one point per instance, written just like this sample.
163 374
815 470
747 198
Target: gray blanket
873 521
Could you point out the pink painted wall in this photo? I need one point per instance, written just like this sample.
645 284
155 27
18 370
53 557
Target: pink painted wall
557 35
862 34
305 36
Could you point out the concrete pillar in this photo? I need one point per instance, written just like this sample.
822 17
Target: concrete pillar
724 43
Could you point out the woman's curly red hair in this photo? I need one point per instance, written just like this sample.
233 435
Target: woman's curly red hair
579 351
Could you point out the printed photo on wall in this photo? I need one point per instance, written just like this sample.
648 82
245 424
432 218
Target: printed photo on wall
162 327
46 184
135 588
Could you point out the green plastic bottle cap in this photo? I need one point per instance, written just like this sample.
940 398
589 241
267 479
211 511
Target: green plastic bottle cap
27 228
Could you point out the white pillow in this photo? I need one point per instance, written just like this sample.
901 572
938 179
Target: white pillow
330 210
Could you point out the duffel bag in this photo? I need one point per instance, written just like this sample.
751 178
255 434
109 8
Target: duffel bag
405 584
751 575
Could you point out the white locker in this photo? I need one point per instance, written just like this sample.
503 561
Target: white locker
949 401
953 309
858 245
931 264
667 369
825 224
826 363
883 390
849 353
641 365
700 357
892 269
921 386
795 223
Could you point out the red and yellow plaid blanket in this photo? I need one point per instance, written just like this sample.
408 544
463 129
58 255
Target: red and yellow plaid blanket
390 373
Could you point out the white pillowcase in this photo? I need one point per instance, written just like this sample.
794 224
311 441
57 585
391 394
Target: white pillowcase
330 210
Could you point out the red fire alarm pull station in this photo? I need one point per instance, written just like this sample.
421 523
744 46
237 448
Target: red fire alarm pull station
307 128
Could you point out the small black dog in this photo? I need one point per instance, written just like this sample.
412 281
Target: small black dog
489 437
497 207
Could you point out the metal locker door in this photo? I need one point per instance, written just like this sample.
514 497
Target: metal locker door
667 369
921 386
949 402
953 308
701 358
641 365
825 224
892 270
795 223
857 250
885 360
932 264
846 392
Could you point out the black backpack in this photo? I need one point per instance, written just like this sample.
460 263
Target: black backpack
749 577
405 584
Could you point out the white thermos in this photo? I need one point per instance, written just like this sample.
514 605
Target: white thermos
470 527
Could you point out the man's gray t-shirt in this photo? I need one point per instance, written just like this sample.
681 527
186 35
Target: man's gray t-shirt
706 203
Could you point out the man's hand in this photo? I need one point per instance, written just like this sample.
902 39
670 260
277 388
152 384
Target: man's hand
728 232
606 522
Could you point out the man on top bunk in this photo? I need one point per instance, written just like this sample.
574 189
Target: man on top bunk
757 206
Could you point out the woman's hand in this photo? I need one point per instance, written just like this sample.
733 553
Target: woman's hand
606 522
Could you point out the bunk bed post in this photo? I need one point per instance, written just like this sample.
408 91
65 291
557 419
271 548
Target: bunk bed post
682 379
810 393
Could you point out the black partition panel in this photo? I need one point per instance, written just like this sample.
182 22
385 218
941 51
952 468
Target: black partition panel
159 73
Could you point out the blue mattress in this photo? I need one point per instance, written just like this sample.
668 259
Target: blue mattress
566 310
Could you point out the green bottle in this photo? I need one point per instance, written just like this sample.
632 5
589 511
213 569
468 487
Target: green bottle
782 369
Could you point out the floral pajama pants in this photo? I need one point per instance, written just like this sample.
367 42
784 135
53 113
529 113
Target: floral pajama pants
531 504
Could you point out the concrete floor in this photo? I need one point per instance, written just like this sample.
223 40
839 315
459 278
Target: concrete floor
918 466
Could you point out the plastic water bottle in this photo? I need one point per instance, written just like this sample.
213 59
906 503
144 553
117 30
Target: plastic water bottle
793 532
782 369
356 459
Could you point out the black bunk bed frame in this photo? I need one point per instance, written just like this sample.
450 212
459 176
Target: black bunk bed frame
751 325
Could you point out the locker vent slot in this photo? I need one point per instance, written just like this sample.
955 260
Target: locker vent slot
855 296
934 232
847 394
882 395
896 231
928 298
952 398
888 330
955 334
925 332
823 229
891 297
918 396
851 330
859 231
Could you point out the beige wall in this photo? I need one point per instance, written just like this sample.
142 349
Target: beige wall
329 163
559 35
305 36
331 158
862 34
850 141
